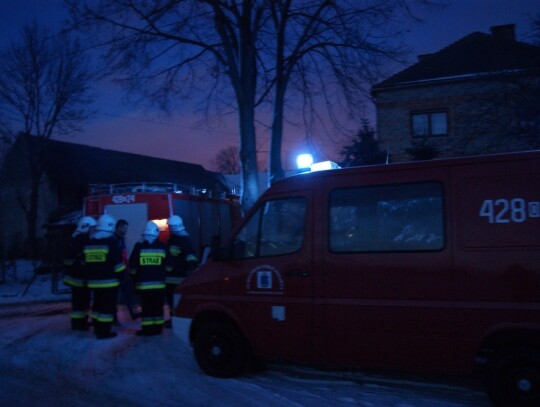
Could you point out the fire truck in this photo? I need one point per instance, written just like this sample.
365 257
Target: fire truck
204 215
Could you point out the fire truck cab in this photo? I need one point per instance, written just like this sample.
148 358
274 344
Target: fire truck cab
427 266
204 216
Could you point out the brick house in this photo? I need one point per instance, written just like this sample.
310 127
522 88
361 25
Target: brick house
479 95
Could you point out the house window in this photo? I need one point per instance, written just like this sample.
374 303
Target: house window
429 124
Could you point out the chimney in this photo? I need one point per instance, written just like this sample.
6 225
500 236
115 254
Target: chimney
503 32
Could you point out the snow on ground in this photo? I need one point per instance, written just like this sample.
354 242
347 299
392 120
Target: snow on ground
44 363
19 284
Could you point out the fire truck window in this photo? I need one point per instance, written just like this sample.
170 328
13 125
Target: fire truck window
224 220
209 218
406 217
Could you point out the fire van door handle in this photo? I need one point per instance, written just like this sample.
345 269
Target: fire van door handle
297 274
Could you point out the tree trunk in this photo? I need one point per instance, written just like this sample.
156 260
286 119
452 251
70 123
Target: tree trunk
35 152
275 170
33 216
248 157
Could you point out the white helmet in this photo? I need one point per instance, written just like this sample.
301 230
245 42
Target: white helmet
176 225
105 223
84 225
151 229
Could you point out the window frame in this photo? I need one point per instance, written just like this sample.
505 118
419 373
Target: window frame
429 114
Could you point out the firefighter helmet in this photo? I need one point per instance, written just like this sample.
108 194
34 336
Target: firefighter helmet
151 229
84 225
175 224
105 223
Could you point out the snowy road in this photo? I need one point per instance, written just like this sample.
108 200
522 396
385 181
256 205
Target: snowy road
44 363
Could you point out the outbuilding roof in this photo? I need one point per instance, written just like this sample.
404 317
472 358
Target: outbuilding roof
75 165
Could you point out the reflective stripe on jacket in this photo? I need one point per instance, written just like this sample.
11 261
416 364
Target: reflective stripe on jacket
103 283
150 285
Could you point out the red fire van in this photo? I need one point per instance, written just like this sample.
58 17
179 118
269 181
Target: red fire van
427 266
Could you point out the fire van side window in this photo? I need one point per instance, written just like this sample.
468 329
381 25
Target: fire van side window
277 228
387 218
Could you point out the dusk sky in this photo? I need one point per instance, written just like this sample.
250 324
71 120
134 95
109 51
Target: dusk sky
120 126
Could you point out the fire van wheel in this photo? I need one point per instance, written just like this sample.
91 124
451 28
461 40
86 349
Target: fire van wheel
514 378
220 350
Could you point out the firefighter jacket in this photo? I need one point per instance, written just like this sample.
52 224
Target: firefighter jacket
182 258
102 262
147 263
72 262
121 243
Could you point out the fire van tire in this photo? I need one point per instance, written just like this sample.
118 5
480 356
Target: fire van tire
220 350
514 378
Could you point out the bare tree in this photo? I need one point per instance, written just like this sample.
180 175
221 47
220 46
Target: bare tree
227 161
326 56
44 84
171 49
535 29
241 53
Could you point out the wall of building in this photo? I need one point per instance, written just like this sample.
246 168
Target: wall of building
481 115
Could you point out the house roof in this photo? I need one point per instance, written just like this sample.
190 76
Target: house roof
476 54
72 164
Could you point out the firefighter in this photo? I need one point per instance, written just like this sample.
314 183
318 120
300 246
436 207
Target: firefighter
80 294
147 263
102 264
182 260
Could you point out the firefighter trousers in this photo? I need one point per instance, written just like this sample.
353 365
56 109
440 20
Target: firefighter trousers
80 305
104 309
152 310
170 290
